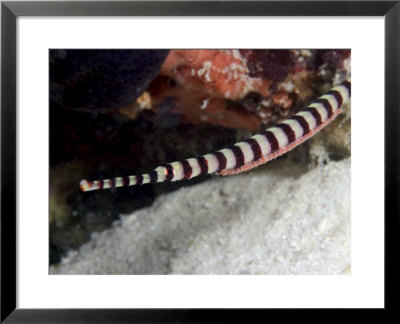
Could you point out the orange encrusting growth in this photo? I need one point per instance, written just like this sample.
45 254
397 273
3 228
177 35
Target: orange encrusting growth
205 83
220 73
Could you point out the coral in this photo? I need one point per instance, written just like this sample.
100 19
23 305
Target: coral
203 82
242 89
218 73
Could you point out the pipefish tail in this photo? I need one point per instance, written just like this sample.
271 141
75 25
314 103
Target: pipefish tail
247 154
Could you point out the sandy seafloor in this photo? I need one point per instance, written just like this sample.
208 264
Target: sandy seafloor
275 219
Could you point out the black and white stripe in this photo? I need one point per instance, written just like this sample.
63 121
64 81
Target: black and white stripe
288 132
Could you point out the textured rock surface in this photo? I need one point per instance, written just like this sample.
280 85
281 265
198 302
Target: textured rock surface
276 219
243 89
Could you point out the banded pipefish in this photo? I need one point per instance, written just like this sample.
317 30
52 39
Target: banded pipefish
247 154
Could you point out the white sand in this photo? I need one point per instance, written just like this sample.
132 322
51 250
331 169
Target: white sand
275 219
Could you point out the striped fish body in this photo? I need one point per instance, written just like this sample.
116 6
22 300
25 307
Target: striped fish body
246 154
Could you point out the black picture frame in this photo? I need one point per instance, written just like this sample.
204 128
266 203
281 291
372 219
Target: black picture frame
10 10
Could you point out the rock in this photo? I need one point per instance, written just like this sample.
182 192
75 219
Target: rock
243 89
101 80
276 219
